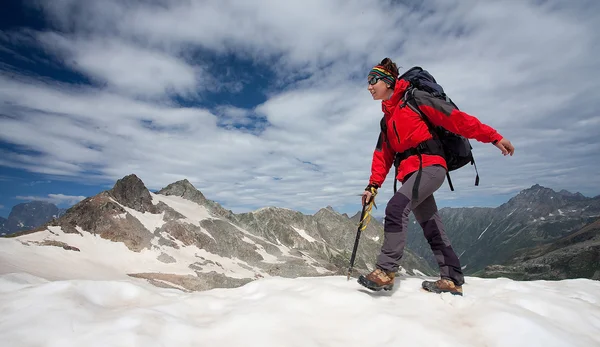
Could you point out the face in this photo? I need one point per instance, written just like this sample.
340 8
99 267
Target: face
379 90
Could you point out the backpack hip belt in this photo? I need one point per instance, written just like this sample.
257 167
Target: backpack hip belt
431 147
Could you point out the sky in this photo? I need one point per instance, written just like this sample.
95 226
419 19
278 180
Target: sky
265 103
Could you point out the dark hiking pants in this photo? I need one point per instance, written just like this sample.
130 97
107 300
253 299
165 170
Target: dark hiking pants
426 214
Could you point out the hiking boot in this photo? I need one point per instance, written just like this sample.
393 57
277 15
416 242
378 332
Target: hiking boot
378 280
443 285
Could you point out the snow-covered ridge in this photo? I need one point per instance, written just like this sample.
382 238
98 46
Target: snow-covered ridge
113 259
165 253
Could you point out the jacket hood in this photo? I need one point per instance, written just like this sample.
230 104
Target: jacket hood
389 105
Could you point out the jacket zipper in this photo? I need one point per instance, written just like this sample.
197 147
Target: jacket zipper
396 131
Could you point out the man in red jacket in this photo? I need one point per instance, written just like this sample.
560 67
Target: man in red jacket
405 129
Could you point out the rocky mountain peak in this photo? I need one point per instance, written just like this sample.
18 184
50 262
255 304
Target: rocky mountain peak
131 192
576 195
327 211
32 207
185 189
273 209
534 195
30 214
537 189
545 196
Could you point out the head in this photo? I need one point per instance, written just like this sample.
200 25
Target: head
382 79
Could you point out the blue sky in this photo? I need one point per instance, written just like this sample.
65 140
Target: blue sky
264 103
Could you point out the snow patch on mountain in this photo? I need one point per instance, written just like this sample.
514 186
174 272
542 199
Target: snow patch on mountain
112 258
304 234
486 229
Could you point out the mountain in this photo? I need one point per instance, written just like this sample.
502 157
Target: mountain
3 228
176 237
487 236
576 255
29 215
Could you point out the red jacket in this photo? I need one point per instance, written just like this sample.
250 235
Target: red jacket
406 129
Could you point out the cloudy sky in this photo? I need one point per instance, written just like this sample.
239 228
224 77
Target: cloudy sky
265 103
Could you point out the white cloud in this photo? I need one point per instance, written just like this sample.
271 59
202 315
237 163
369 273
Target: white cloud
124 66
34 183
527 69
57 199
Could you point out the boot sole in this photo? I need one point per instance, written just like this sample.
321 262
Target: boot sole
362 280
440 292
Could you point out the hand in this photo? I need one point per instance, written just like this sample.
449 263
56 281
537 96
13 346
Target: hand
505 146
369 194
366 197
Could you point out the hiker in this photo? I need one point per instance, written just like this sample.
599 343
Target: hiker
404 129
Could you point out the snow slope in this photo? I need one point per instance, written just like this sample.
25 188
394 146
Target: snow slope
324 311
103 259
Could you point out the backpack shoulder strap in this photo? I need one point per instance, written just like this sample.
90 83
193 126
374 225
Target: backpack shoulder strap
410 101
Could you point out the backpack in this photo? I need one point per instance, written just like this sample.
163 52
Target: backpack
455 148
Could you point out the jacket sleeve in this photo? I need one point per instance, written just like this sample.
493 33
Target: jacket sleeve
445 114
383 158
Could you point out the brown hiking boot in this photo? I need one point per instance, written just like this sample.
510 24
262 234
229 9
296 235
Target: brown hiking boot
378 279
443 285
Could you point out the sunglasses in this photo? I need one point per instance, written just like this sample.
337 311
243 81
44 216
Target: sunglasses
374 79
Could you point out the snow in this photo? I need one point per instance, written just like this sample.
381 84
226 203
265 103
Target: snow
486 229
193 212
304 234
314 264
267 257
325 311
104 259
150 221
286 251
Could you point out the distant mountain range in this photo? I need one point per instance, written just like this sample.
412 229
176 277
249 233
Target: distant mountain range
576 255
536 217
29 215
538 234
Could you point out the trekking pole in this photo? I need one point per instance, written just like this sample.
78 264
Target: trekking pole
361 226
